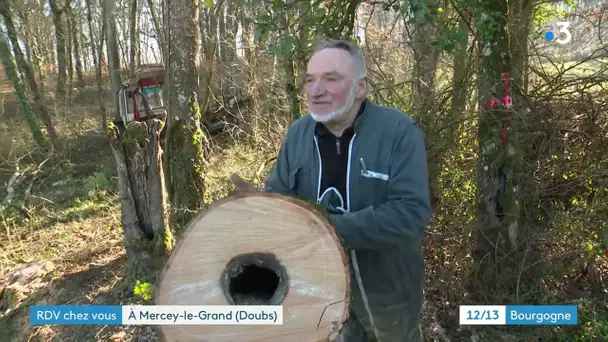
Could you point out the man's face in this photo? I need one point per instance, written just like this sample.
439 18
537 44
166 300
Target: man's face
330 84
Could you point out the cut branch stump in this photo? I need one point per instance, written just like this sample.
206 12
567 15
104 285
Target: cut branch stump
141 187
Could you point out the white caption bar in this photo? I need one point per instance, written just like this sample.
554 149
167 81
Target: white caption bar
482 314
202 315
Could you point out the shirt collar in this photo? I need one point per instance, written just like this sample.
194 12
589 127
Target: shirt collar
321 130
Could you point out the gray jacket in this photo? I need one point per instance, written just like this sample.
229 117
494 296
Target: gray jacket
387 203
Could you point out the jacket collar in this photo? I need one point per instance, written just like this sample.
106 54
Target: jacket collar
321 130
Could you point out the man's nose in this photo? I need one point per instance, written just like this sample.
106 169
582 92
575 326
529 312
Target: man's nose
317 89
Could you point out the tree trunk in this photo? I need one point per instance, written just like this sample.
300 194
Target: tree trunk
10 68
134 36
25 34
186 142
425 66
208 31
44 35
112 53
303 42
520 18
97 63
26 69
75 30
142 195
461 69
123 41
157 27
61 51
290 73
222 51
293 238
499 160
141 181
33 44
69 51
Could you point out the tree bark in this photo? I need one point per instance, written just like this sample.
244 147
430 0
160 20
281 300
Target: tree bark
44 35
290 72
26 69
157 27
425 66
520 18
69 51
134 37
208 31
499 159
142 193
461 68
61 50
97 63
303 42
112 53
75 30
222 51
185 140
10 68
33 43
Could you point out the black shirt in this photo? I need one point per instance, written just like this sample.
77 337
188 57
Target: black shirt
334 158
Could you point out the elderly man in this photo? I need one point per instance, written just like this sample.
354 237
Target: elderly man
367 165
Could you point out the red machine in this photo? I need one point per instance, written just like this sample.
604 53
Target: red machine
142 98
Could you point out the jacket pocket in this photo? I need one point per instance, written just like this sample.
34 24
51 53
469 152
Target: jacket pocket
371 173
374 181
374 174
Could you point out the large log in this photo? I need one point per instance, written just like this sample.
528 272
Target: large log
259 249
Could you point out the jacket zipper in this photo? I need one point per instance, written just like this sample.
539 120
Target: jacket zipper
350 154
338 146
320 168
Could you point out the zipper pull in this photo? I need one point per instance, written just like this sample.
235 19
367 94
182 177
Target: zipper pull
338 146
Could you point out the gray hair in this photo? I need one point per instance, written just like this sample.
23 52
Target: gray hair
355 52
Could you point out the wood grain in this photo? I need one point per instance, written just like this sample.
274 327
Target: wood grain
316 305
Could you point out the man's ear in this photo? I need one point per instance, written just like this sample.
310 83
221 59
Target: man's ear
362 90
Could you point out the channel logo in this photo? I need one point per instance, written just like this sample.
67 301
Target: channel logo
563 34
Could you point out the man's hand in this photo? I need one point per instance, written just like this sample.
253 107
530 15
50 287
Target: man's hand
241 184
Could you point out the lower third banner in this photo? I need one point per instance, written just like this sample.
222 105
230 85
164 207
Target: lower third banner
518 314
155 314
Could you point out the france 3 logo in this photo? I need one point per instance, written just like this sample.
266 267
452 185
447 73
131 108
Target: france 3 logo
562 34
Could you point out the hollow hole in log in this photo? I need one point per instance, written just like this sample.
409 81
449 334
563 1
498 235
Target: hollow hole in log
255 279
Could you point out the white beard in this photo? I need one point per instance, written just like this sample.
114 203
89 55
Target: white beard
338 112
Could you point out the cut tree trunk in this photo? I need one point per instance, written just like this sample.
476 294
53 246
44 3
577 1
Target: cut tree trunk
259 249
142 194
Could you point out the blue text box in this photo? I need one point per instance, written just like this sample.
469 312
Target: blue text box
75 314
542 315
